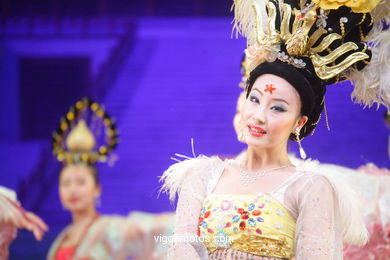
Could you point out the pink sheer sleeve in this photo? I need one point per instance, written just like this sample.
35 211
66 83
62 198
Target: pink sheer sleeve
318 233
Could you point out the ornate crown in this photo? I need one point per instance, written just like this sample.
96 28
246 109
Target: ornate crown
74 142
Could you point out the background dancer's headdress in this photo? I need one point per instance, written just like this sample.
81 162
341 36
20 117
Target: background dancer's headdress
86 134
244 72
316 43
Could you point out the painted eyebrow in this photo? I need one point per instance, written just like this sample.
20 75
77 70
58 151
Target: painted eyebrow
277 99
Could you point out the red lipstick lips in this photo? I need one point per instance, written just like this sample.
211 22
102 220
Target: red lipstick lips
256 131
73 200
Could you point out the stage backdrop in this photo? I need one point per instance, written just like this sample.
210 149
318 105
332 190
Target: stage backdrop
165 81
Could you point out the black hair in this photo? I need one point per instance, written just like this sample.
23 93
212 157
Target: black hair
310 89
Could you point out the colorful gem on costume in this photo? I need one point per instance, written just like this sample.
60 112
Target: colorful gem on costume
207 214
261 205
220 226
258 231
251 207
236 218
260 219
245 215
203 211
225 205
252 222
228 224
198 233
210 230
200 221
242 225
240 210
235 230
269 88
256 212
204 224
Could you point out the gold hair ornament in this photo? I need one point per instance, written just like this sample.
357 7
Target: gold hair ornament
73 141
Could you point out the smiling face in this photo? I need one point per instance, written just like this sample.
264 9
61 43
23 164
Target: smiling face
78 188
271 112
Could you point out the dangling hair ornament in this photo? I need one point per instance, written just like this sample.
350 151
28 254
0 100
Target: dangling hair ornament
75 142
301 151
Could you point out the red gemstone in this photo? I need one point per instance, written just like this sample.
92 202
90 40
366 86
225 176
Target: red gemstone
198 232
245 215
240 210
207 214
210 230
256 212
242 225
200 220
228 224
258 231
300 16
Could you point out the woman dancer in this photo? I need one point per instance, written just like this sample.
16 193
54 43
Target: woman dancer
265 207
90 235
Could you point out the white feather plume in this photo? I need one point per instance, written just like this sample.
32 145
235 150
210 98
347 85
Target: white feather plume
244 19
372 84
174 176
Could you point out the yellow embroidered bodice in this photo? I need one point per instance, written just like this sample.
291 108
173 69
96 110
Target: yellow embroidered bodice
255 224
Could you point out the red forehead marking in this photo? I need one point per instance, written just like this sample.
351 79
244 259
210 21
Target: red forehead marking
269 88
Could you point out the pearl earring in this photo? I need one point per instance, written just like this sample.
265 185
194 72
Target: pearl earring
301 151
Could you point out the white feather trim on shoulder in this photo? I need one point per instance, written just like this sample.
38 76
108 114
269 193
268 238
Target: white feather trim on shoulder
174 176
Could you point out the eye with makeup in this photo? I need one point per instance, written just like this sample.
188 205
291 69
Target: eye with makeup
278 108
254 99
64 183
81 181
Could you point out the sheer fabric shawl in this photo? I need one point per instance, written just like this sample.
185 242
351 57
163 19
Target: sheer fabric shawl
327 212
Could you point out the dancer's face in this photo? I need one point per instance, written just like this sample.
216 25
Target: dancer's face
78 188
271 112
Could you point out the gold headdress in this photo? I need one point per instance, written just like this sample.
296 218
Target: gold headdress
74 142
335 40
